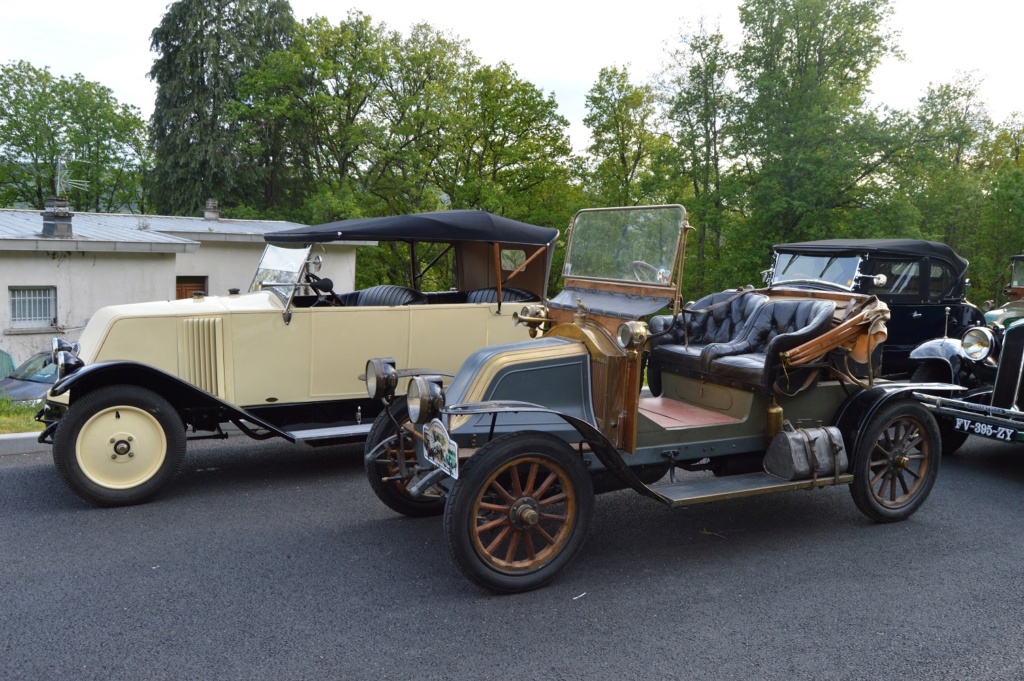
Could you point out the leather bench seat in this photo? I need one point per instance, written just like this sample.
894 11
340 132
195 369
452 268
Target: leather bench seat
719 318
751 359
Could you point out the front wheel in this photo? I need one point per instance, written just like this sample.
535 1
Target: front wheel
519 512
119 445
895 466
389 460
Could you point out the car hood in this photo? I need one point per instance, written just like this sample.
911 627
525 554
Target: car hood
23 391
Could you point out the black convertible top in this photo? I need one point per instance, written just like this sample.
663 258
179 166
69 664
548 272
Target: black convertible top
443 226
879 247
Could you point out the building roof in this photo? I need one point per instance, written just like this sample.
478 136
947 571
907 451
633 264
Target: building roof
21 230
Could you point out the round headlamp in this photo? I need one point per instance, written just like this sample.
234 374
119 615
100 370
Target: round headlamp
58 345
631 334
978 343
67 363
381 378
425 398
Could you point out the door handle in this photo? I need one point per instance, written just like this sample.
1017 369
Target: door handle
916 315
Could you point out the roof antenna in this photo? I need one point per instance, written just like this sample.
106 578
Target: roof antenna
64 178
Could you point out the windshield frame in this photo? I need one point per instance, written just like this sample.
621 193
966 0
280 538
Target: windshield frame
621 267
828 262
280 271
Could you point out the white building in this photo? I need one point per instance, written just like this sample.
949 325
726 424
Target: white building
58 268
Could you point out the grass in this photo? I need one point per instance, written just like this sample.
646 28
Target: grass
17 418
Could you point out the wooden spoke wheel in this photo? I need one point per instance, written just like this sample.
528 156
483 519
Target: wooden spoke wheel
390 465
519 512
897 462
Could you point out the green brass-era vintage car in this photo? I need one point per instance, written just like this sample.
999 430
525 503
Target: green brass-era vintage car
751 392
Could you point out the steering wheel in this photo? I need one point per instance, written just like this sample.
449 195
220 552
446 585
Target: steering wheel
644 271
322 286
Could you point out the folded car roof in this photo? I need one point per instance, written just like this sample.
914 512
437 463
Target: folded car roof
444 226
878 247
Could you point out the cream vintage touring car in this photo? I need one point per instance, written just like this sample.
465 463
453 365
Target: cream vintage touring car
282 359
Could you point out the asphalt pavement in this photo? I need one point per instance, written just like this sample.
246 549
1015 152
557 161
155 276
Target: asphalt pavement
273 561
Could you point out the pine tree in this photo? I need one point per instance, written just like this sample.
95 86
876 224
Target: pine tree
204 47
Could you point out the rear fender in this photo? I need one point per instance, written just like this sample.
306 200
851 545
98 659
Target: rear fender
854 414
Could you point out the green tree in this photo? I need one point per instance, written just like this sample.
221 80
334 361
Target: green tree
815 155
700 109
204 47
621 117
501 142
70 125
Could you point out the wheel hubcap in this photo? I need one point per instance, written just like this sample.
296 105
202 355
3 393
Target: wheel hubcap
121 447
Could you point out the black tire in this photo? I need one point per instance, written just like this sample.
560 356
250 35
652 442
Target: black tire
384 463
494 513
896 462
952 440
119 445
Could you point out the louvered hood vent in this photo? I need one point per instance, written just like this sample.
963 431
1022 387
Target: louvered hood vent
201 361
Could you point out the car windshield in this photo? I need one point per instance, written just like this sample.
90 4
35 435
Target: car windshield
625 244
1017 273
279 270
829 269
39 368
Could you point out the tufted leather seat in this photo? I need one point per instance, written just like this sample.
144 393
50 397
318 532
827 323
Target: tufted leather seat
739 342
778 326
681 350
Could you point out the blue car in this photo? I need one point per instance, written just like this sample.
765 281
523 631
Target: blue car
30 381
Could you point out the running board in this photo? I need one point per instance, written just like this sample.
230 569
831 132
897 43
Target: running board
321 435
705 490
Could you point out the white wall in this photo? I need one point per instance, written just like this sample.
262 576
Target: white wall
228 265
85 282
88 281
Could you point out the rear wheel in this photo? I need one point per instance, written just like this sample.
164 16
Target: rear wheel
952 440
389 451
519 512
895 465
119 445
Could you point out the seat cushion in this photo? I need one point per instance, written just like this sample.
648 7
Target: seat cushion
388 294
508 295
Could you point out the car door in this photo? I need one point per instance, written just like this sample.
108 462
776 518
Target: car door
913 319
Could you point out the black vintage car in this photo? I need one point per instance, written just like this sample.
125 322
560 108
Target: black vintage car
924 283
995 409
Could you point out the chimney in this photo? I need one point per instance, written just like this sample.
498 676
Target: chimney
212 211
57 219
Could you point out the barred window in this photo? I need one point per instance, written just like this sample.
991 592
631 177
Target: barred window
33 307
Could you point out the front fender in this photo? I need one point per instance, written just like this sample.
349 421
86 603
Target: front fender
946 351
184 396
601 446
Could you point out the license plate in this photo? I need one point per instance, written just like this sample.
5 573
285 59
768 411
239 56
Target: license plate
440 449
975 427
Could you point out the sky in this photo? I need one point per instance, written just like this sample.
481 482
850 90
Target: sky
555 45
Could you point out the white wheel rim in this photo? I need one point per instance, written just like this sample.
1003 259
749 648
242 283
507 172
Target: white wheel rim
121 447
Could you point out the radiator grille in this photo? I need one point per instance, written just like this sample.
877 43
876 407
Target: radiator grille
202 362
